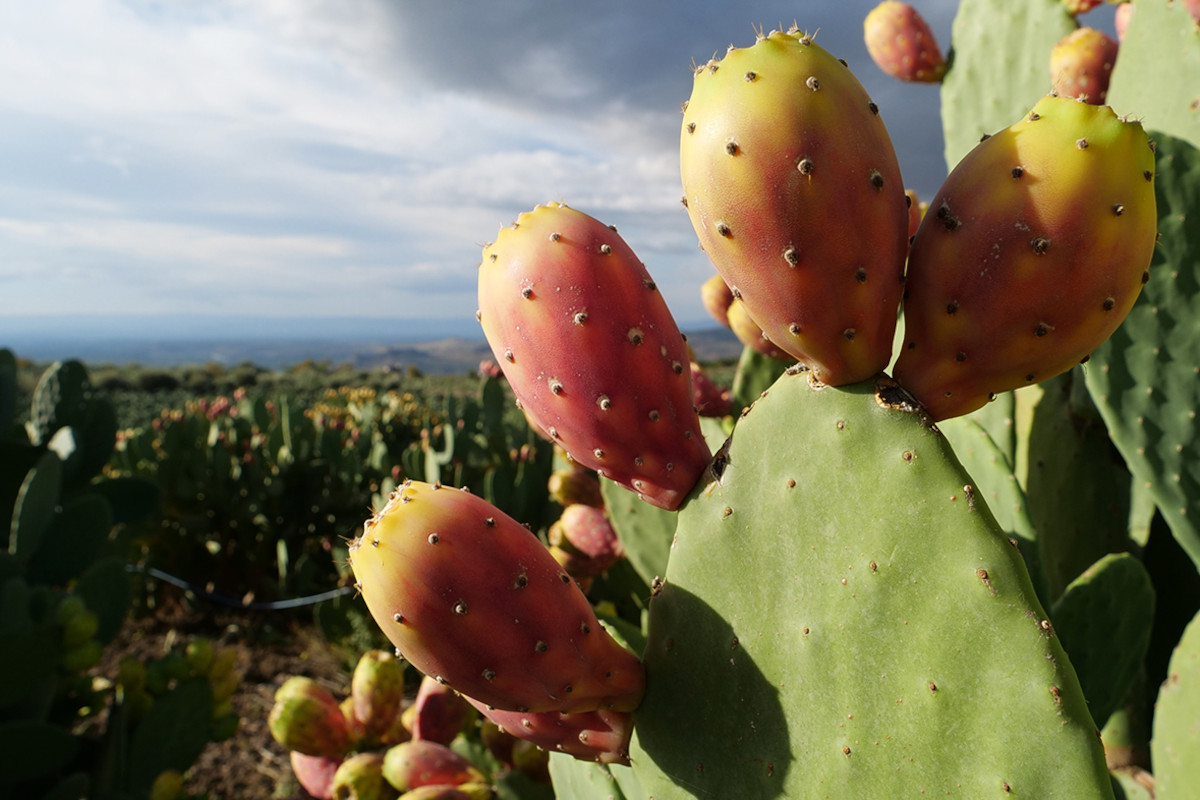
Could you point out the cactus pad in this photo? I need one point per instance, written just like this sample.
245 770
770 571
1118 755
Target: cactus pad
1176 743
904 649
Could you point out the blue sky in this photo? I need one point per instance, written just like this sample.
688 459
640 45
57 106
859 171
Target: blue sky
333 158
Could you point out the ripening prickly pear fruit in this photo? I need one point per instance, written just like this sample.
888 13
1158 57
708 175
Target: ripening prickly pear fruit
306 717
466 791
1121 17
591 351
574 484
360 777
315 773
424 763
750 334
471 597
710 398
602 735
716 296
587 531
915 211
1031 254
793 187
902 44
439 713
1081 6
1081 64
377 691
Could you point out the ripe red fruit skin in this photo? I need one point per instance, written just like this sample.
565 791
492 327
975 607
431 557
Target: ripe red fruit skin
592 352
902 44
1081 64
473 598
794 190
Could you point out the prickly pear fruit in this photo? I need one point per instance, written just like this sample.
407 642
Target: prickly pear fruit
168 785
439 712
1081 6
602 735
915 212
1081 64
902 44
1031 254
360 777
472 597
306 717
793 187
1121 17
592 352
315 773
424 763
377 691
709 398
574 484
587 531
750 334
716 296
470 791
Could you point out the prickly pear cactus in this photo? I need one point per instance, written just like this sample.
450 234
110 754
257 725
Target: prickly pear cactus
794 190
842 617
1176 742
1143 379
990 38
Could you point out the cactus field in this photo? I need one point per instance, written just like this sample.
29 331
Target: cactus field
933 533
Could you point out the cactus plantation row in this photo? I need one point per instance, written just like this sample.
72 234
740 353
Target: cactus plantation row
944 540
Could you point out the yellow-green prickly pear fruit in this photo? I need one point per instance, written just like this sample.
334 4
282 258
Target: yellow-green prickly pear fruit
793 187
1032 253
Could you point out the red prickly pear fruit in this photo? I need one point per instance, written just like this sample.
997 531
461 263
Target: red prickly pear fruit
439 712
424 763
471 597
1081 6
793 187
587 531
716 296
709 398
1121 17
574 484
915 211
306 717
591 351
377 691
466 791
602 735
750 334
360 777
315 773
902 44
1034 250
577 565
1081 64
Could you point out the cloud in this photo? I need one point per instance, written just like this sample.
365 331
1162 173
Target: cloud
234 152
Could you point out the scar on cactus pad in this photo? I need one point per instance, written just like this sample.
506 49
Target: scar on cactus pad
1032 253
794 190
591 351
473 598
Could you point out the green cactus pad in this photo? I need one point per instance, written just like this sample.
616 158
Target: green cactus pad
1104 620
1175 747
1144 378
988 463
645 531
1077 484
841 619
1157 74
755 372
584 780
1006 49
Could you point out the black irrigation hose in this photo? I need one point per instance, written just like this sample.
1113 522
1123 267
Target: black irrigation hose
277 605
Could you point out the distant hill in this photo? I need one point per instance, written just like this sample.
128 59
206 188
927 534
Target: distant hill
432 346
